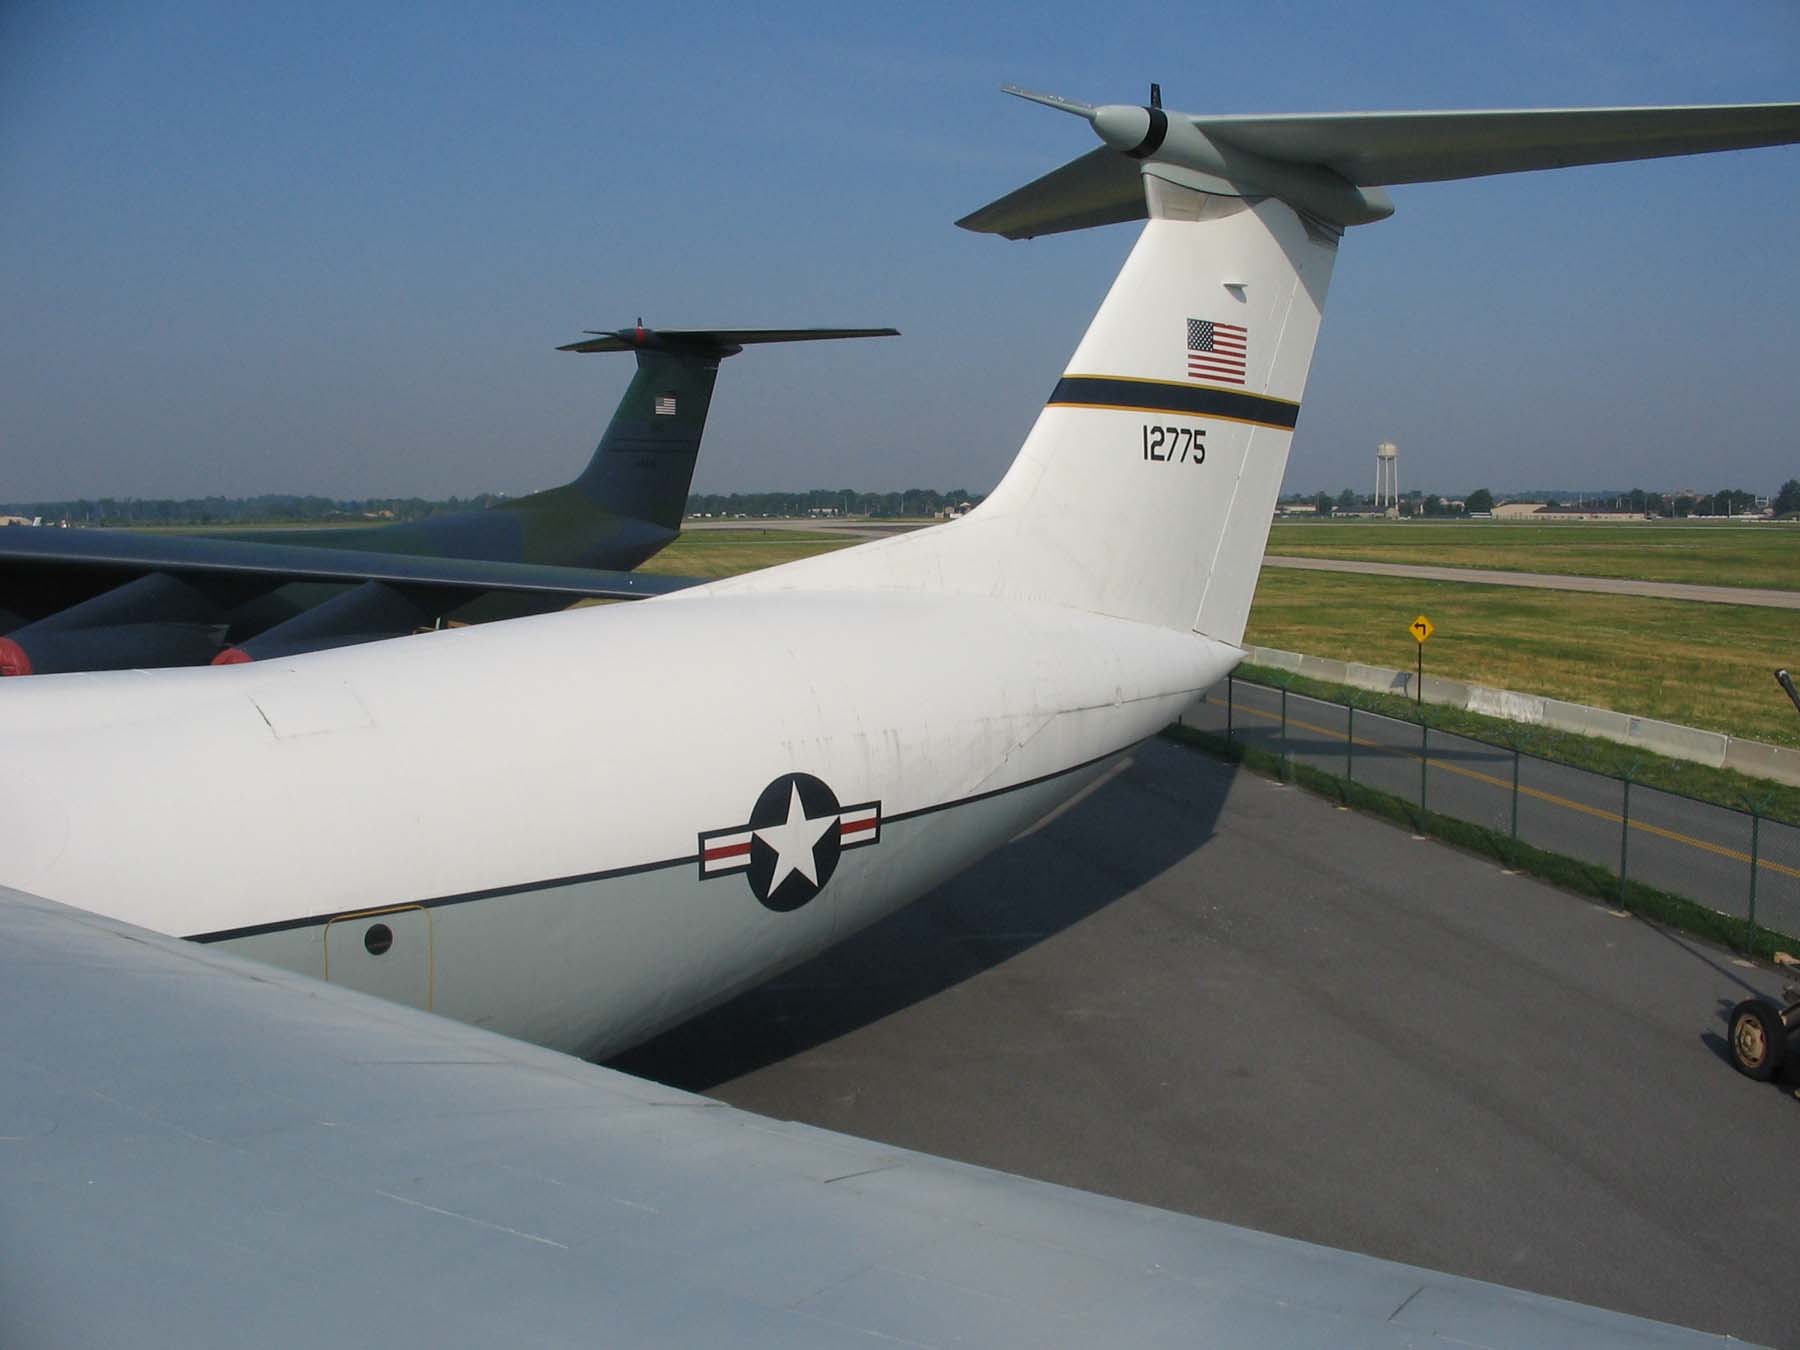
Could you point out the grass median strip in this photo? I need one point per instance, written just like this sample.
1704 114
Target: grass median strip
1698 665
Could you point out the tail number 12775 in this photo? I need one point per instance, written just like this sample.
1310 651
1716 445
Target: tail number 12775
1176 445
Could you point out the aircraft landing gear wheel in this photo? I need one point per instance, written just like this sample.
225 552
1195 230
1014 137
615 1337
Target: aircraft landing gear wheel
1758 1038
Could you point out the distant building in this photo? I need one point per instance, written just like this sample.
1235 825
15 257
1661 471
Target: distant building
1516 510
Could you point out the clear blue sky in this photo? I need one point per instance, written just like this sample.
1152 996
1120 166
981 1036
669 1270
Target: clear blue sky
330 247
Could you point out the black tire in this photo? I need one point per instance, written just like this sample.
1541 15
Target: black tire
1758 1039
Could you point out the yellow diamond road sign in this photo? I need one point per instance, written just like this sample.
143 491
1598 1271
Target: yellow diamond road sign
1421 628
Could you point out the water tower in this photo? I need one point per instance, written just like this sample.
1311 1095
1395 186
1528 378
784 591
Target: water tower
1387 475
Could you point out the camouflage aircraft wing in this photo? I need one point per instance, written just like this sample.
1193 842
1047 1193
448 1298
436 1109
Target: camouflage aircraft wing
203 1151
732 339
197 555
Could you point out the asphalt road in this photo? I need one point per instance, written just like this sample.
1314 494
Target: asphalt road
1661 590
1206 991
1689 847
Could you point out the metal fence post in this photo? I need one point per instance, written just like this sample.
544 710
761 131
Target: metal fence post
1284 744
1424 757
1515 796
1350 744
1230 699
1624 842
1755 832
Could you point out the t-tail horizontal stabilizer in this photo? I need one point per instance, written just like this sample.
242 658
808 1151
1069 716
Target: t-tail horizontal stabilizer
717 341
1334 165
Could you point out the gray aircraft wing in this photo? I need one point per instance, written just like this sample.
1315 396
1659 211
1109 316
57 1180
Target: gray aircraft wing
1388 148
202 1151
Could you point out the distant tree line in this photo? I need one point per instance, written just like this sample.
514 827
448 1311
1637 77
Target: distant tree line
268 509
1724 502
827 501
287 509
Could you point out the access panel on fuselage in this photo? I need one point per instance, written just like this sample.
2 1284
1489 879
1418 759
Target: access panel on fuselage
386 953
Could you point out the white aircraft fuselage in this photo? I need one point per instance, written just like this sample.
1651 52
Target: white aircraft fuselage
524 802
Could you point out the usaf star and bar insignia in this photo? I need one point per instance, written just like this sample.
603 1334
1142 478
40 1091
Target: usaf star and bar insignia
791 844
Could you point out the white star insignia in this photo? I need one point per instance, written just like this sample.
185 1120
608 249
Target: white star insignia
794 841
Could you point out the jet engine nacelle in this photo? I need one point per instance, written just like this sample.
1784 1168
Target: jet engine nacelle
154 620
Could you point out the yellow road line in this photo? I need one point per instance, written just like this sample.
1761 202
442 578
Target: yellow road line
1599 812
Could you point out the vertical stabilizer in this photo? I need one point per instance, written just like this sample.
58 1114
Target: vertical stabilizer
645 461
1145 488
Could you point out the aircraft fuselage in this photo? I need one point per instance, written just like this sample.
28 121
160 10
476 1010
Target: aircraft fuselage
583 827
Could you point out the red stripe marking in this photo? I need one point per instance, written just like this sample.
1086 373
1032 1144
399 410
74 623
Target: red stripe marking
727 851
857 826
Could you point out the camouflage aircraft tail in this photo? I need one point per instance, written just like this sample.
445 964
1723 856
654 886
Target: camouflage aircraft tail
644 464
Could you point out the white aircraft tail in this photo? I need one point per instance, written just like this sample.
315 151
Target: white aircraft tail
1145 489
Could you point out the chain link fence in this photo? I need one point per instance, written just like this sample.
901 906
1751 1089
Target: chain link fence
1735 862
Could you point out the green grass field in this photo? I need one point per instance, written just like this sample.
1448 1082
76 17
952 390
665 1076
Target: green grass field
1711 555
1700 665
725 553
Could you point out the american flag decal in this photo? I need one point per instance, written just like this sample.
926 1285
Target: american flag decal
1217 351
665 405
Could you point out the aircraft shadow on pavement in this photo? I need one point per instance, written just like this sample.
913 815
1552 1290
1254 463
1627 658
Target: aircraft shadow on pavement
1132 829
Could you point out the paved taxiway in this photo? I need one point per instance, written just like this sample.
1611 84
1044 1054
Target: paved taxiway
1203 990
1548 581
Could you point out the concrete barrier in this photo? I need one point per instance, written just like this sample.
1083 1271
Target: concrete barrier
1504 703
1376 679
1324 668
1275 658
1679 742
1586 721
1662 738
1763 761
1446 693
